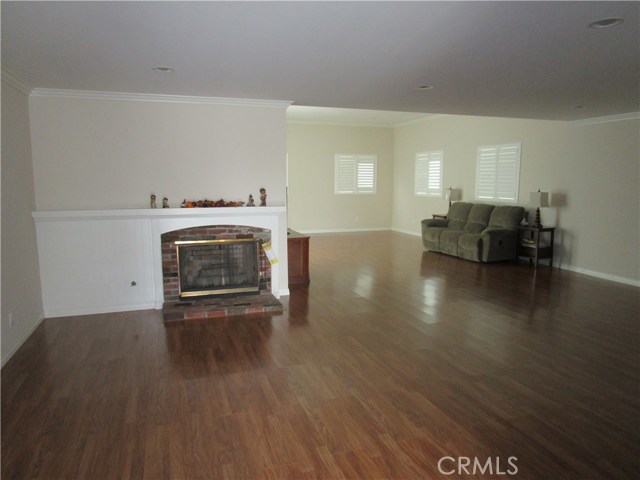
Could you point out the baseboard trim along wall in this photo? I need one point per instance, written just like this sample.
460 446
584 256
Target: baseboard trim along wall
343 230
6 356
61 312
603 276
571 268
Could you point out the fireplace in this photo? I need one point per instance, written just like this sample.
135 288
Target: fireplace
126 247
217 267
216 271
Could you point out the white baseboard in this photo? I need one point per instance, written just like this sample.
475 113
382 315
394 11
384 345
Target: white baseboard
61 312
346 230
408 232
6 356
604 276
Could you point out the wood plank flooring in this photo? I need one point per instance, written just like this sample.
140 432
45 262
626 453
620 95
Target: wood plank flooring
391 359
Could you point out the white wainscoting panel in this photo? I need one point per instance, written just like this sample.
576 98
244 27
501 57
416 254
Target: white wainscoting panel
110 260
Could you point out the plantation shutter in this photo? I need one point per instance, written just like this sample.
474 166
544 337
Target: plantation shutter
428 173
366 181
345 174
498 173
355 174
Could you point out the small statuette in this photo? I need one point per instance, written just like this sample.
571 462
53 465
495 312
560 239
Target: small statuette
263 197
153 201
251 203
165 202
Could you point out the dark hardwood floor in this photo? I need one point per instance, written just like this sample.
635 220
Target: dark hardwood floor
391 359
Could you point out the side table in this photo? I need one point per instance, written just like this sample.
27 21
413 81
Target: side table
298 254
532 244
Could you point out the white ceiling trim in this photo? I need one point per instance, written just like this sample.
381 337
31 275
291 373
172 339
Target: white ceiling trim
610 118
15 82
147 97
426 118
340 124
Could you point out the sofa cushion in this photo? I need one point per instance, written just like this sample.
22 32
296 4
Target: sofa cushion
431 238
449 241
504 216
470 246
478 218
458 214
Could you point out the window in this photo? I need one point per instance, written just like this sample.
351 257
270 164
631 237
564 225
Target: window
498 173
356 174
428 175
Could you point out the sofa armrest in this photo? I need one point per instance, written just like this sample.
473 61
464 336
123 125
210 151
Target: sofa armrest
499 244
435 222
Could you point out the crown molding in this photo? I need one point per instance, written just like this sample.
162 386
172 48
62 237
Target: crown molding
15 82
427 117
148 97
340 124
610 118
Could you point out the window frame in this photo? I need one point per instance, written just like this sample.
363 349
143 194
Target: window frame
422 173
342 173
498 169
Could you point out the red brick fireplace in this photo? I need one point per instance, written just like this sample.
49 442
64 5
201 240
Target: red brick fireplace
215 302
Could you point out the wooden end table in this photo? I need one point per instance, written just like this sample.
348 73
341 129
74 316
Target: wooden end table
298 253
531 243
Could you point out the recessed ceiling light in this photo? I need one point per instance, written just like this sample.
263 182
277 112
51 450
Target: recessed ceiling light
606 22
425 87
162 69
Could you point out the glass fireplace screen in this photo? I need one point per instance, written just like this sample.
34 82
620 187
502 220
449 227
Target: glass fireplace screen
218 267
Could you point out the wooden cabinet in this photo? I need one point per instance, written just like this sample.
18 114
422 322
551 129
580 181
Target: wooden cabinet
298 253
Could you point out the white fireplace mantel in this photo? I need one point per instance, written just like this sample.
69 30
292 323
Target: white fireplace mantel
96 261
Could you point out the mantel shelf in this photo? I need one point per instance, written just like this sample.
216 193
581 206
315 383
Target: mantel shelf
156 212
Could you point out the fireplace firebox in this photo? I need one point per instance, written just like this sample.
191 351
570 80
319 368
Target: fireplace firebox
218 267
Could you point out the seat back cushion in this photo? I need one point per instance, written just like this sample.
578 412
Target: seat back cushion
458 214
478 218
504 216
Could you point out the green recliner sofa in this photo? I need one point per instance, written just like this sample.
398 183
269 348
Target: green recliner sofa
475 231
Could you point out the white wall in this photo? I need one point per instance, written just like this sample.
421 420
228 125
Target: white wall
108 153
313 205
21 295
592 172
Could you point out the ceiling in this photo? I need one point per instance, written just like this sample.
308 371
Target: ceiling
509 59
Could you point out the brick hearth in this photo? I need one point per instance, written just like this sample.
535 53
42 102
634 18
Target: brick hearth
219 307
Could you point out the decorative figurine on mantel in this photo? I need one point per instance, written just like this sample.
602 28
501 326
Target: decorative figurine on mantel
153 201
263 197
251 203
165 202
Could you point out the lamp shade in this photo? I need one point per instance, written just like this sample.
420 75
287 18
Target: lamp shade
453 194
539 199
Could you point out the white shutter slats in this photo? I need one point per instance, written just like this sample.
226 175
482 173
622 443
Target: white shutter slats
366 174
498 172
345 174
355 174
428 173
421 175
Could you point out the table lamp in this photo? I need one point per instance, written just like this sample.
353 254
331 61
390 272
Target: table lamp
452 195
539 200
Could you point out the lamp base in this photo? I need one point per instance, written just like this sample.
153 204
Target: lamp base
537 223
